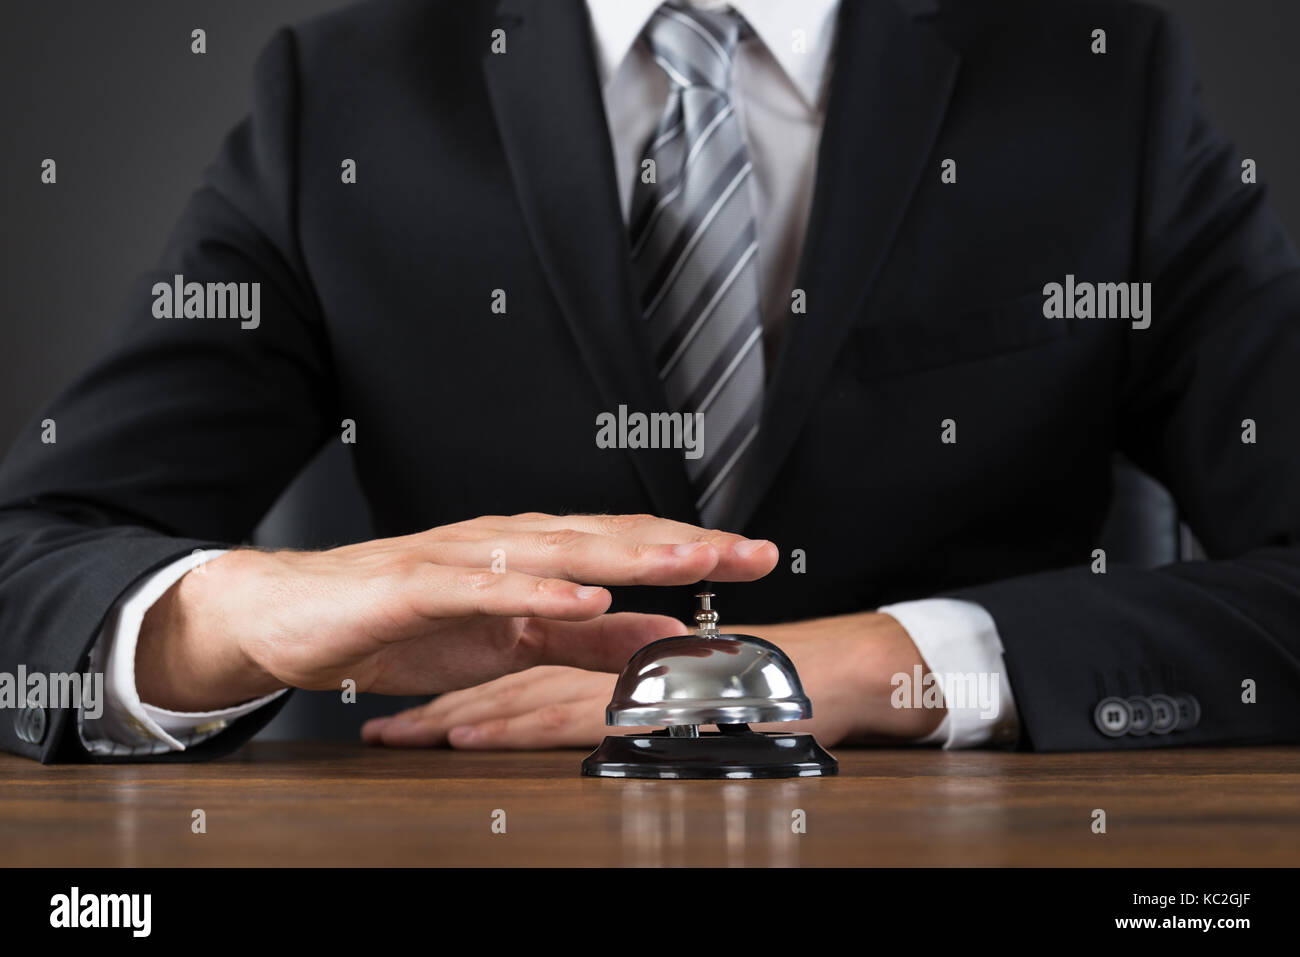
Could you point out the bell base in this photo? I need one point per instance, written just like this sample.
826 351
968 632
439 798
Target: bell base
714 754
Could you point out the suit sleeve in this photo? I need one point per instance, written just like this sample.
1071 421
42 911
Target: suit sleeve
1210 405
180 436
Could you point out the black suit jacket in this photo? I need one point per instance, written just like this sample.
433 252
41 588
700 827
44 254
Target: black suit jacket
479 172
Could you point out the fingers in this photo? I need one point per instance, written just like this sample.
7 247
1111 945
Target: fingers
739 558
607 549
591 650
584 556
513 695
567 724
436 592
603 644
504 691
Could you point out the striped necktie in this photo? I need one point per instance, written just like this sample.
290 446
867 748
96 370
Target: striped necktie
694 248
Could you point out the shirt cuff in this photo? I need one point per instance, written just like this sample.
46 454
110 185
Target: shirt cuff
959 643
128 725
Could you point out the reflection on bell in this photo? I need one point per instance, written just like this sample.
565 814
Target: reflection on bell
708 678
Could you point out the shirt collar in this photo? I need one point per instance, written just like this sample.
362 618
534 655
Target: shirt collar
616 24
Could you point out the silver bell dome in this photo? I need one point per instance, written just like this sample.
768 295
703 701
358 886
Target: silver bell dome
707 678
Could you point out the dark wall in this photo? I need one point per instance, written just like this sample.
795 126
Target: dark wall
113 94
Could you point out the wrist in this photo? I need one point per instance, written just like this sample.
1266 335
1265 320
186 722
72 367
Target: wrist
891 652
189 655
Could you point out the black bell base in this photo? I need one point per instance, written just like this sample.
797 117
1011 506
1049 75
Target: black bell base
713 754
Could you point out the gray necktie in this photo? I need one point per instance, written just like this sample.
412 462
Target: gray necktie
694 248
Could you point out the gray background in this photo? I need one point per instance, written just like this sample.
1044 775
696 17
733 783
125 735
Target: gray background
113 94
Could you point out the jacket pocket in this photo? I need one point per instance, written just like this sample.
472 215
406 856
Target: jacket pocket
897 343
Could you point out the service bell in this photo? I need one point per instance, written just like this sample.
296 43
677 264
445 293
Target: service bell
708 679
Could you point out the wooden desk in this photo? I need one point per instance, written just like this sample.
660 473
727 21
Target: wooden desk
342 804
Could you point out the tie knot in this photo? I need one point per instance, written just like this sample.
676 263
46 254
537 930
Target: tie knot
695 47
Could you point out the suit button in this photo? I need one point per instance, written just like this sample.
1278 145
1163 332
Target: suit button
1112 717
1164 713
1140 717
1189 712
30 724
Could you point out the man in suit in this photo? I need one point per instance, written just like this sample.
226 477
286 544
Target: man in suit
892 257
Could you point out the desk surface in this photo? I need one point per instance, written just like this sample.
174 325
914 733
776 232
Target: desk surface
344 804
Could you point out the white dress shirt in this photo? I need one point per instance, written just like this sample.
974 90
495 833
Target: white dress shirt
779 92
129 726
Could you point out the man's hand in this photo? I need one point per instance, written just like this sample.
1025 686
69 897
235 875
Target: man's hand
421 614
845 662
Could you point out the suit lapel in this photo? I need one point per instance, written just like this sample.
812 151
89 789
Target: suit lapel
890 87
550 114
